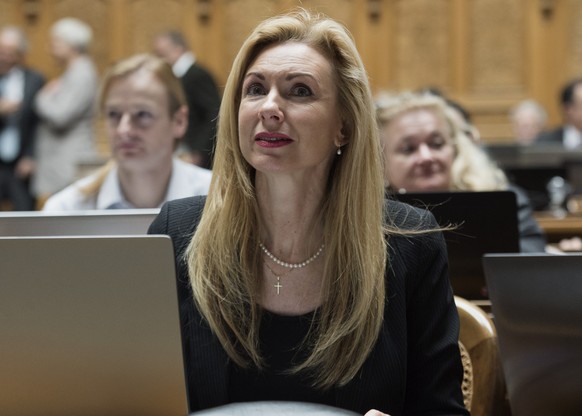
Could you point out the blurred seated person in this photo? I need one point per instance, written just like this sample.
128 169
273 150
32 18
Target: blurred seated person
297 280
426 151
528 121
145 116
18 120
569 135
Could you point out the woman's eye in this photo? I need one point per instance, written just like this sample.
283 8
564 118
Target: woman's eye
255 89
437 143
407 149
302 91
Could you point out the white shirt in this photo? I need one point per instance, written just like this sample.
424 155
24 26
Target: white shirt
572 137
12 88
183 63
186 180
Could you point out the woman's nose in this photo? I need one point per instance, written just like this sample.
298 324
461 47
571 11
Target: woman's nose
270 109
425 153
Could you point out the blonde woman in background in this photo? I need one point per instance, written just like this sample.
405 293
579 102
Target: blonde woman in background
425 150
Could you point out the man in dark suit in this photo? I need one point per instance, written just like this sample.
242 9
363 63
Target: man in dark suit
202 96
569 135
18 121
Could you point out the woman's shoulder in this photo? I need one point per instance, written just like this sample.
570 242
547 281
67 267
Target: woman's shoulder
412 232
179 217
405 217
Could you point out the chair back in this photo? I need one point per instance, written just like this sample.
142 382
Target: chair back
479 352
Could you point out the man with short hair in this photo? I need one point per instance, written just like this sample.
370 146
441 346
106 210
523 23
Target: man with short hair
202 96
18 120
570 134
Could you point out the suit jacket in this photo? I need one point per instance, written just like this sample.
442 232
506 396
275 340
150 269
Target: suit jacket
415 366
553 137
203 104
26 116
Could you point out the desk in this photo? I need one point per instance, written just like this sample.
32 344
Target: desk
274 408
558 228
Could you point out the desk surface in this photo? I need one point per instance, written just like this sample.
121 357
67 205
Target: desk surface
274 408
557 228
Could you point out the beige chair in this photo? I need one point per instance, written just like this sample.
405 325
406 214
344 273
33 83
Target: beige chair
482 380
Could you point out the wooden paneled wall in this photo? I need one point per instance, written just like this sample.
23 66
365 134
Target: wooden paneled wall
486 54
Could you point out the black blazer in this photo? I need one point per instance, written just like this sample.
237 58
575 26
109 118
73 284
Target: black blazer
203 100
414 368
27 117
553 137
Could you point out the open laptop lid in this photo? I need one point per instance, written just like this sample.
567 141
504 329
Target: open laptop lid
90 326
537 306
486 223
91 222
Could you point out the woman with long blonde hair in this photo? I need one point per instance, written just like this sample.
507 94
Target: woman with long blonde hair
297 281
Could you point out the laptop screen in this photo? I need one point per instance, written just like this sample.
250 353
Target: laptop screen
486 222
536 304
90 326
91 222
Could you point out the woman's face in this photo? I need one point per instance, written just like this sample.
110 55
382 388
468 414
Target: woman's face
418 152
60 50
141 131
289 118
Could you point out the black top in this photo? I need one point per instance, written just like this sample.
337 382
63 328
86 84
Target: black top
282 346
414 367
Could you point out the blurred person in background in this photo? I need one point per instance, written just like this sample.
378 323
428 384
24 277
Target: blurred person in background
145 117
65 106
528 121
425 150
201 93
18 120
569 135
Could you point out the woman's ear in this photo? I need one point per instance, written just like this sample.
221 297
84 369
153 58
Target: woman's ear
180 122
341 137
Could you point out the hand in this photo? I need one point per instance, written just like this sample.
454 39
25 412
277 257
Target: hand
24 167
8 107
375 412
50 86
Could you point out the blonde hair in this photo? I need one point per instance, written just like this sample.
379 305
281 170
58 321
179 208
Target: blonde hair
162 71
472 169
224 256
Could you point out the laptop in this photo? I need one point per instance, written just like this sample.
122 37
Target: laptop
537 308
90 326
90 222
486 222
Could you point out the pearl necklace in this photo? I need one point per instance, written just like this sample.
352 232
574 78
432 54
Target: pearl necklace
291 265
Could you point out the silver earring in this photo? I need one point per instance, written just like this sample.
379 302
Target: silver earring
339 151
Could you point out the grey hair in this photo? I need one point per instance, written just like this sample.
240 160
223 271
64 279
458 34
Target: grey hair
73 31
531 106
